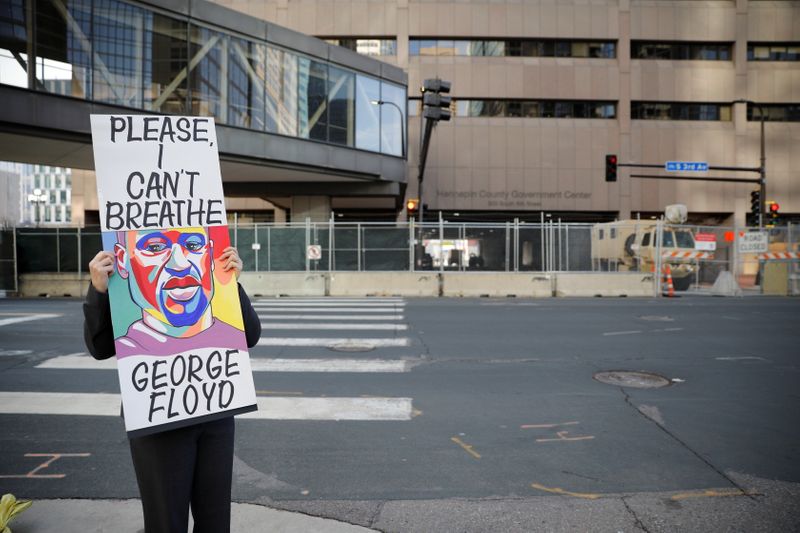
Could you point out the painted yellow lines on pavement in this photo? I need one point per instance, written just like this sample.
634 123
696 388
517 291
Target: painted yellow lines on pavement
710 493
562 436
556 490
467 447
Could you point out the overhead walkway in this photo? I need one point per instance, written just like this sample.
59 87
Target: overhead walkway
295 116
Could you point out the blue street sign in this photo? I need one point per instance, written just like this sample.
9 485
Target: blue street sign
686 166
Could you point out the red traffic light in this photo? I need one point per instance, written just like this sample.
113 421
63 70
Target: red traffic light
612 159
774 207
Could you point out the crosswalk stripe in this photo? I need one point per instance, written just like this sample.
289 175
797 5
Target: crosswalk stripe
331 300
332 342
290 408
331 317
257 364
27 318
328 309
326 304
272 408
313 325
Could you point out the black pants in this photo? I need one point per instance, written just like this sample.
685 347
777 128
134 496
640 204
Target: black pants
191 465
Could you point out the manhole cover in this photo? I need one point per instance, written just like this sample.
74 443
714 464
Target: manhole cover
657 318
637 380
352 347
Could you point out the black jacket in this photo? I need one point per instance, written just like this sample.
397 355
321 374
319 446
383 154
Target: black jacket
99 333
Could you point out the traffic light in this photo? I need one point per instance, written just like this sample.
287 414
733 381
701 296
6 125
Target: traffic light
436 107
755 203
774 212
412 206
611 167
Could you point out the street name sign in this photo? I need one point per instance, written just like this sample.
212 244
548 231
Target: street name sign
753 242
686 166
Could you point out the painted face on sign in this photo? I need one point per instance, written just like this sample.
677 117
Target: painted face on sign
171 271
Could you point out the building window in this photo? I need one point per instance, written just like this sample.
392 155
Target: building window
63 60
14 37
512 48
773 51
368 121
506 108
681 50
367 46
680 111
313 99
774 112
341 104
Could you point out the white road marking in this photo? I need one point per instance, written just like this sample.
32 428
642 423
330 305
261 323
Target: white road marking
59 403
79 361
258 364
327 309
331 317
330 300
272 408
329 365
326 304
15 352
743 358
313 325
27 318
330 342
277 408
622 332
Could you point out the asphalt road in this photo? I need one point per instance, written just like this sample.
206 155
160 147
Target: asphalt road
509 430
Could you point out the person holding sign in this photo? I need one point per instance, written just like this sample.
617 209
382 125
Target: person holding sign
169 277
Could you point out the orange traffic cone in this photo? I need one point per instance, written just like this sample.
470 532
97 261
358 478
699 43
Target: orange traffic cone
670 289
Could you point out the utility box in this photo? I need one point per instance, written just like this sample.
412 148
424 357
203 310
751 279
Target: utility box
776 278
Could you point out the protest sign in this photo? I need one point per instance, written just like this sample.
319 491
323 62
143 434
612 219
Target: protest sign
179 336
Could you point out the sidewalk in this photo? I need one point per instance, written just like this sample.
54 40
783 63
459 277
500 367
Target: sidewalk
125 516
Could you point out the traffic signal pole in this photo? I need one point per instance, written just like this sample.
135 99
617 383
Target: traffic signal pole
435 107
761 180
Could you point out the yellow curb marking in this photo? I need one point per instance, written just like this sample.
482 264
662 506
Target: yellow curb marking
710 493
466 447
556 490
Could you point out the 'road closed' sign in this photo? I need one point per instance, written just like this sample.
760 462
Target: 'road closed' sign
753 242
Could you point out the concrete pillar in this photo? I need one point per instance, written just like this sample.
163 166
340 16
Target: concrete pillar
316 208
280 215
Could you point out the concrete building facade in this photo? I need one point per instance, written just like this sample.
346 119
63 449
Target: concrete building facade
543 89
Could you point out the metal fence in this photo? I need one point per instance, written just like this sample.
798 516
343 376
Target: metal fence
694 255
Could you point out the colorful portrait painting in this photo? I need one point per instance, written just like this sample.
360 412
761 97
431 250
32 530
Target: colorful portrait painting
177 296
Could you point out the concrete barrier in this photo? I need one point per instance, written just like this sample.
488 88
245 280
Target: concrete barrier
420 284
604 284
467 284
53 284
284 283
384 284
